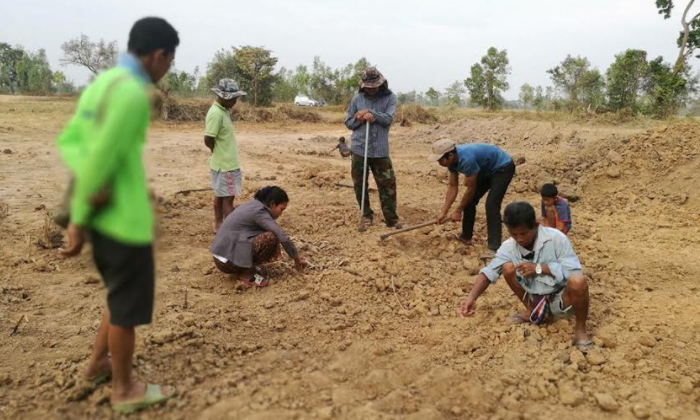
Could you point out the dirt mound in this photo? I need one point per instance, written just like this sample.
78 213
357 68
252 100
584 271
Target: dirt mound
181 110
412 113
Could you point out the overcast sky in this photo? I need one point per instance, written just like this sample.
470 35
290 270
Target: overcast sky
416 44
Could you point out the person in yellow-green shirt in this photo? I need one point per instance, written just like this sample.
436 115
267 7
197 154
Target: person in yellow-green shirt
219 137
103 146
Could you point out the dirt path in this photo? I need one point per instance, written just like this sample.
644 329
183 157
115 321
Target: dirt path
373 333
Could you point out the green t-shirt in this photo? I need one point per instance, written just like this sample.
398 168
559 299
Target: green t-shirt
218 125
103 144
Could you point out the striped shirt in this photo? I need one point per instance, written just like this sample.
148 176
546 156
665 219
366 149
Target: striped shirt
383 108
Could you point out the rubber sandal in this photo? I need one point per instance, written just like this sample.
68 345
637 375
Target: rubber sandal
519 319
584 346
459 238
153 395
100 379
259 281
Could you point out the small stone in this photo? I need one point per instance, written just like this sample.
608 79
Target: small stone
647 340
614 172
614 157
606 402
641 411
686 385
570 395
269 305
669 414
595 357
577 357
7 151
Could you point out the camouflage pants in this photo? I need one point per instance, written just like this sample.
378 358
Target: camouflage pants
385 178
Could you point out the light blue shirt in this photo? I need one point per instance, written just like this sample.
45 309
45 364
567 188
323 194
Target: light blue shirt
133 64
482 158
552 248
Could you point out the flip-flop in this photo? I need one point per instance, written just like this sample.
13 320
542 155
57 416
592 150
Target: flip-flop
100 379
153 395
583 346
519 319
459 238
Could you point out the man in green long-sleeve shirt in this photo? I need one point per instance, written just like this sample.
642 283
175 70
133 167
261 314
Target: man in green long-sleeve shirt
103 145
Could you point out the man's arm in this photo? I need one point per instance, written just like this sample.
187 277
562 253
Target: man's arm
209 141
350 121
450 196
470 183
386 117
487 275
469 305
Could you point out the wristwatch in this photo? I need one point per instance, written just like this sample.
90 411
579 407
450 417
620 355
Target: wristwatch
538 269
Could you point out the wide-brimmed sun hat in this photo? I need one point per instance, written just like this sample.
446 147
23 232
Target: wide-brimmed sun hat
228 89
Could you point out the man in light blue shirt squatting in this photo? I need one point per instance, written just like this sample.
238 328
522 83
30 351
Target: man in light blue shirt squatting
374 104
543 271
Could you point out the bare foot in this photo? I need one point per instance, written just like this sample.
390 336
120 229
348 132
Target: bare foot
581 336
94 371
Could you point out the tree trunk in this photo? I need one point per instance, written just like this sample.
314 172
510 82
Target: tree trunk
680 61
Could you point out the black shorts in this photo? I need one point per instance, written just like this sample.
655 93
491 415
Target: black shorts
129 274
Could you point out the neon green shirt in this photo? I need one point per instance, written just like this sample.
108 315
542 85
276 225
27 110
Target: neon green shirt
103 144
218 125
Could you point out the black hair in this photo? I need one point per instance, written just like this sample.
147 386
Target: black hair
150 34
519 213
446 155
271 195
549 191
342 139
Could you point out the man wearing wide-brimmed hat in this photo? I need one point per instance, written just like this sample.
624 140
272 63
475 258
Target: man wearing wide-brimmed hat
226 178
374 104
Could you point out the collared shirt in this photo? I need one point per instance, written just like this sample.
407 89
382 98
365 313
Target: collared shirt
563 212
383 108
103 144
552 248
218 125
131 63
482 158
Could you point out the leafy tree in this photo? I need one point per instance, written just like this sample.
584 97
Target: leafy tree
454 93
689 38
251 67
9 58
667 91
626 77
489 79
94 56
180 83
433 96
254 68
283 89
527 95
406 98
34 73
538 99
579 85
61 84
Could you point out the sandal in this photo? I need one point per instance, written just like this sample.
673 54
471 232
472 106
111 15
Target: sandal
584 346
153 395
459 238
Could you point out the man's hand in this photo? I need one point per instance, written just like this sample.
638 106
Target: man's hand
73 241
300 264
526 269
468 307
100 199
359 115
456 215
442 218
369 117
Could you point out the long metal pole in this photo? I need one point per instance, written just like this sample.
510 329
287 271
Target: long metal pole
364 174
